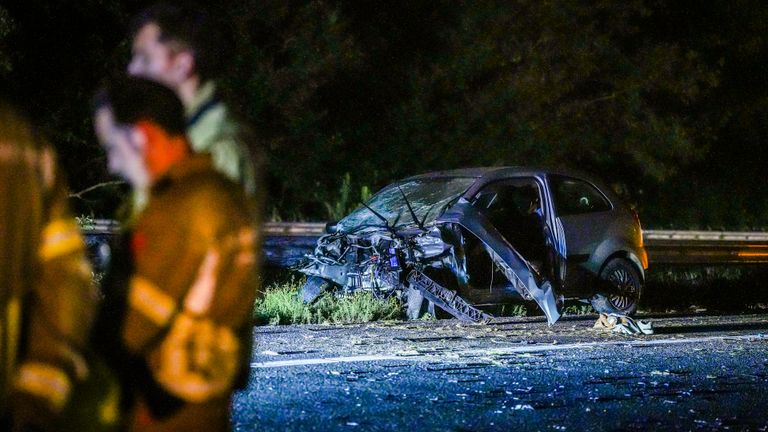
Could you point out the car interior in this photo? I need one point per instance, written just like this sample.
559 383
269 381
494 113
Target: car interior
514 209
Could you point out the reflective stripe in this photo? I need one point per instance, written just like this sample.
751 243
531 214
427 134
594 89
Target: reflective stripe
45 381
200 296
109 409
198 360
245 258
246 255
47 168
60 237
246 237
562 247
9 346
146 298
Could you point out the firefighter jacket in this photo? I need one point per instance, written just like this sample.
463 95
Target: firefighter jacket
191 295
211 129
47 298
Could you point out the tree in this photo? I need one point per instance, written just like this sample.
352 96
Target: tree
556 83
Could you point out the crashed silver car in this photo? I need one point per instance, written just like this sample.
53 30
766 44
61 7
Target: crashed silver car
463 239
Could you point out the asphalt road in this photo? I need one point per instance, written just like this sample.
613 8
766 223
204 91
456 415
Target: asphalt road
694 373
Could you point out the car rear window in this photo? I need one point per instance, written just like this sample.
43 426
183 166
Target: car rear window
573 196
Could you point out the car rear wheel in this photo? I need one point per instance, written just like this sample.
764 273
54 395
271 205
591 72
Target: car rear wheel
313 288
626 287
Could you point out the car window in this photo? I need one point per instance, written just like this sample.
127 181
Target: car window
516 197
513 207
573 196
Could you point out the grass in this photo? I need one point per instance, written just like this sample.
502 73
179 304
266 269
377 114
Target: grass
281 305
721 289
578 310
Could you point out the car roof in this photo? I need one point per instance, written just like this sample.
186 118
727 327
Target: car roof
489 173
485 175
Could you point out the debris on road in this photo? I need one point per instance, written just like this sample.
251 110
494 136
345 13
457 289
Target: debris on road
623 324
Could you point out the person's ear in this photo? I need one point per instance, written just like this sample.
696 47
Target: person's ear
138 137
183 65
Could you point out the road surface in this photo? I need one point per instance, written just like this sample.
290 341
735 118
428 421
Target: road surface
694 373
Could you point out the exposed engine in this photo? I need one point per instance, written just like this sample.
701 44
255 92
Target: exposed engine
376 261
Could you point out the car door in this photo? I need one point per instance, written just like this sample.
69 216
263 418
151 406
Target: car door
585 215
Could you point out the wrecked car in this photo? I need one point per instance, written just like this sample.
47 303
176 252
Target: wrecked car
463 239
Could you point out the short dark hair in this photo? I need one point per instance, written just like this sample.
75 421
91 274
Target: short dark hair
135 99
195 29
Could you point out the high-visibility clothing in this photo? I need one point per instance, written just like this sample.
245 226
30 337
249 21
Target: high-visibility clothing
191 294
47 299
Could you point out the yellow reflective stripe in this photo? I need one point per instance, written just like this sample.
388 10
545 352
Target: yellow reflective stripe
201 293
146 298
198 360
108 411
9 347
60 237
45 381
246 237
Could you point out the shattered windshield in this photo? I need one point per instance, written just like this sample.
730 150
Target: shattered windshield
428 197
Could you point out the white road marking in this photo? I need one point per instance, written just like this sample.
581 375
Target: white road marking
452 356
317 361
630 343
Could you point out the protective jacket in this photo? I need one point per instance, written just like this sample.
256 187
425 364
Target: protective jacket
211 129
47 299
190 297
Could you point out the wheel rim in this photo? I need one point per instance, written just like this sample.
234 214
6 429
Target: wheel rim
625 283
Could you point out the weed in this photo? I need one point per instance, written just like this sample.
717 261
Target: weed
517 310
85 222
359 307
96 278
347 200
578 310
281 305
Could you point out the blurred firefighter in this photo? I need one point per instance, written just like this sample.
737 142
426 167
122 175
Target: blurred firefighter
185 49
47 299
187 326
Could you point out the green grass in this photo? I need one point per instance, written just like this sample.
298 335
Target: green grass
578 310
281 305
673 289
515 310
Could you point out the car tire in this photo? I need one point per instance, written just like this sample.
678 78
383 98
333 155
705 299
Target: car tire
313 289
622 274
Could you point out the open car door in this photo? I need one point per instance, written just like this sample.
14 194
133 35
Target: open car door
516 268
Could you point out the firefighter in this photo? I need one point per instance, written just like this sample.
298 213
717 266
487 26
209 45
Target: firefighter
187 322
47 299
186 49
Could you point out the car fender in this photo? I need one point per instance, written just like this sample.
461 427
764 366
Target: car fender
616 247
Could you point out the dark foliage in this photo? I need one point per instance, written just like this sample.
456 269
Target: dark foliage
664 99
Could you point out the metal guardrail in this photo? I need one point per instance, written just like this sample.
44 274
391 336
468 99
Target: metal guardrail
285 242
706 247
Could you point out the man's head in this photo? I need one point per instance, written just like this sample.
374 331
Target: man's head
175 45
140 124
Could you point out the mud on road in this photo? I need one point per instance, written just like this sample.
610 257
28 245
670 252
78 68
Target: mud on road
694 373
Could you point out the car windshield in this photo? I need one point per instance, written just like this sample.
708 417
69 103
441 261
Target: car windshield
428 197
